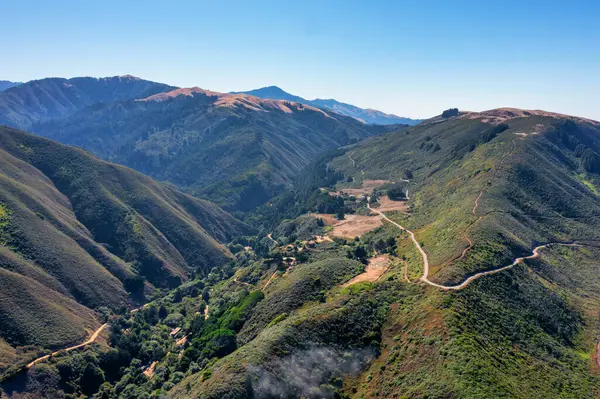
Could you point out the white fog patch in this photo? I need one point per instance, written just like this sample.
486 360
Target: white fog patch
315 372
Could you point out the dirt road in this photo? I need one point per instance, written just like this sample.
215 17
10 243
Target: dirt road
425 276
89 341
92 339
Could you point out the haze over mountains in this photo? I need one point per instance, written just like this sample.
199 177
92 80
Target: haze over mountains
6 84
237 150
366 115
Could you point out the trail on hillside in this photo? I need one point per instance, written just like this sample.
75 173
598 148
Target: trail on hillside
476 207
464 284
512 151
270 279
89 341
235 280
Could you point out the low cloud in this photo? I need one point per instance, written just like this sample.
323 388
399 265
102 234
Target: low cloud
314 372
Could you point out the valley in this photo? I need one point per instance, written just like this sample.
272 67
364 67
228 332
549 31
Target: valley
312 200
325 263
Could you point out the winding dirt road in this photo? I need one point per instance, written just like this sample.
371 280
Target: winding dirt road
89 341
464 284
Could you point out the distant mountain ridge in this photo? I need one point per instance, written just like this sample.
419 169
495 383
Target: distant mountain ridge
235 149
50 98
371 116
7 84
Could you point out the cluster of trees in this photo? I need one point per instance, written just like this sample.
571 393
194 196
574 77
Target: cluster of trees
450 113
396 192
590 160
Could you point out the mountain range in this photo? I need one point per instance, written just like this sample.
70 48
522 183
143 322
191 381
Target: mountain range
6 84
368 115
454 258
234 149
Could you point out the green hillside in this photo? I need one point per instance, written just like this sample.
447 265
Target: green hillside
77 233
236 150
284 320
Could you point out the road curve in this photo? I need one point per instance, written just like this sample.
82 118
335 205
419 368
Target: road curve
89 341
425 277
535 254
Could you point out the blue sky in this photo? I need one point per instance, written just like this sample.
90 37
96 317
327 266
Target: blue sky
413 58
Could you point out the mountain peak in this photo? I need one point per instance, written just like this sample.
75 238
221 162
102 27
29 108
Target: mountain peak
129 77
370 116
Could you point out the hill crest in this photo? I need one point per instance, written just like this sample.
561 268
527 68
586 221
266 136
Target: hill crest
239 99
368 115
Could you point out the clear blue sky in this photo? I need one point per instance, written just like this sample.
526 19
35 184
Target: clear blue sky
413 58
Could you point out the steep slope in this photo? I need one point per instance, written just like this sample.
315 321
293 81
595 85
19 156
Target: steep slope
45 99
77 233
285 320
237 150
486 188
7 84
371 116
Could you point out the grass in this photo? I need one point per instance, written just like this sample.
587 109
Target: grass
588 184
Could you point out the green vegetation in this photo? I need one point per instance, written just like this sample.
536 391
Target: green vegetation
77 233
237 156
277 321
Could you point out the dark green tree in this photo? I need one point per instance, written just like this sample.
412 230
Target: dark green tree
91 379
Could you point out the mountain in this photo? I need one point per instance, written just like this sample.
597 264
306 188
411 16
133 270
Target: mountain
273 93
6 84
79 234
484 189
371 116
46 99
235 149
480 280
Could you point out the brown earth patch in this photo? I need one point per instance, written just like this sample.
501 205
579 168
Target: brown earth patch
376 267
352 226
388 205
366 188
500 115
149 372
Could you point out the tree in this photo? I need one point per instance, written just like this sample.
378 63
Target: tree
450 113
206 294
340 214
396 192
177 296
590 161
91 379
162 312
